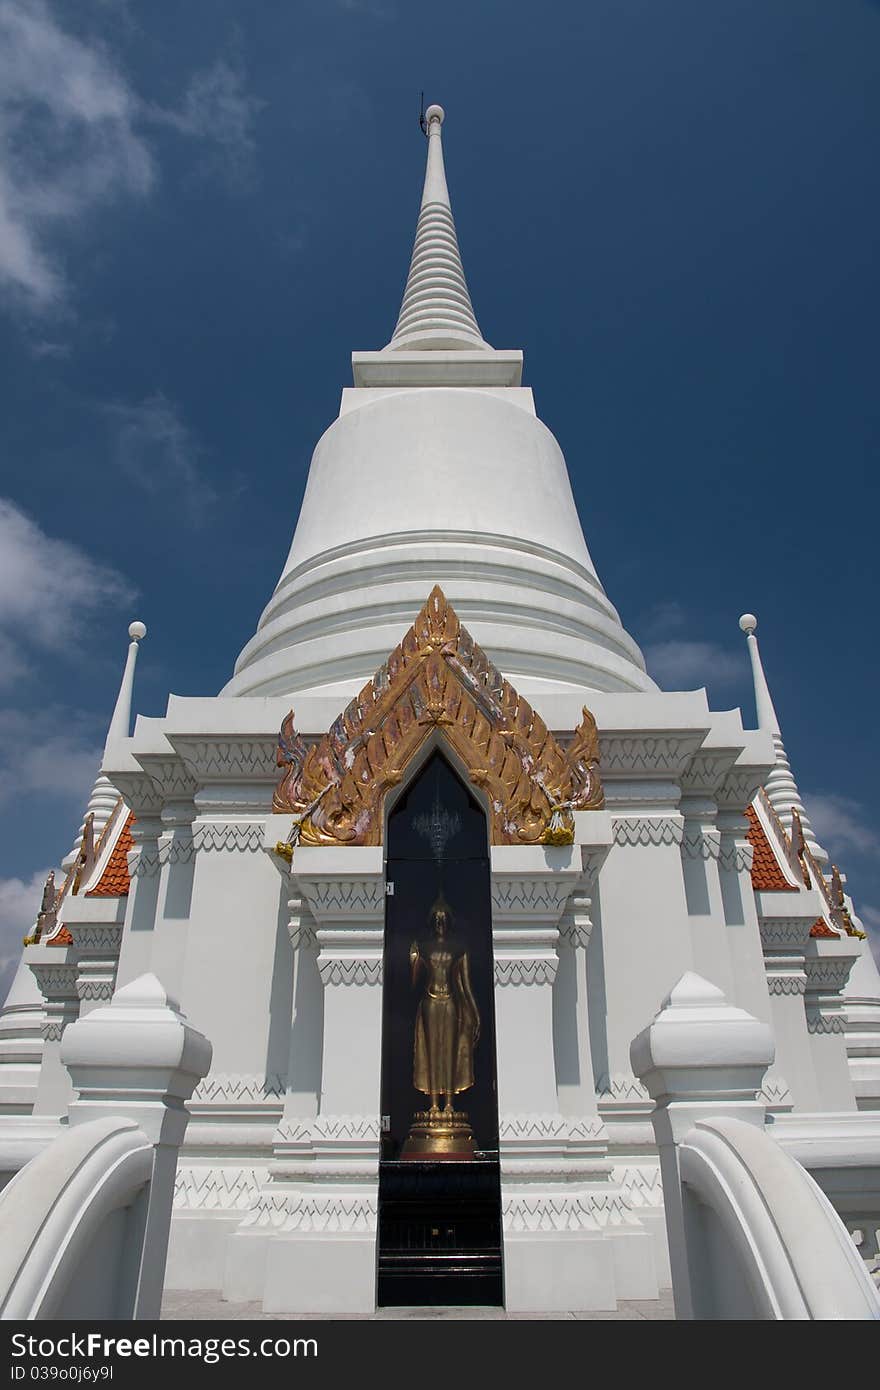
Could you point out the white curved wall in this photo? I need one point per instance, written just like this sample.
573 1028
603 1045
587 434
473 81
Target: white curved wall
453 486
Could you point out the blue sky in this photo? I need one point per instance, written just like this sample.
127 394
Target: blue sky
672 208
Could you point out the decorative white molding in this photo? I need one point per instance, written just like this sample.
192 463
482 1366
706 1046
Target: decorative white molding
243 836
648 830
824 1023
776 1093
221 759
300 926
217 1189
544 893
336 970
736 858
791 981
827 975
91 987
143 862
325 1129
577 1211
176 848
781 932
567 1128
95 937
701 844
629 753
285 1211
238 1089
350 896
642 1184
622 1086
526 970
576 926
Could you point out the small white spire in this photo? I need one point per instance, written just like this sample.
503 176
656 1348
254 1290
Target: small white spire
436 312
781 788
104 795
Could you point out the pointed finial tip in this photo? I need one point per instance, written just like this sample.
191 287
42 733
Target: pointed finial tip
748 622
435 113
136 631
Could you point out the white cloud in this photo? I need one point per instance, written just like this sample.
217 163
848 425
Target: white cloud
19 904
682 665
842 825
72 140
49 588
158 451
218 110
67 119
52 752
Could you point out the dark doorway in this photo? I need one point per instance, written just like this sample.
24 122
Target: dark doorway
439 1216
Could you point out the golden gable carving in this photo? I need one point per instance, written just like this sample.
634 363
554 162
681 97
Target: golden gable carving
438 678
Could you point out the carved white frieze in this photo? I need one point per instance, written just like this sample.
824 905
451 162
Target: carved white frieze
554 1211
576 925
786 981
239 836
337 970
621 1087
641 1183
237 1089
523 970
293 1210
701 844
551 1127
668 753
232 759
539 896
648 830
776 1093
736 857
300 926
329 1129
344 897
217 1189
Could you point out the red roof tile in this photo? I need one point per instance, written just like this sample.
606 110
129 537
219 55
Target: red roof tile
821 928
114 881
767 876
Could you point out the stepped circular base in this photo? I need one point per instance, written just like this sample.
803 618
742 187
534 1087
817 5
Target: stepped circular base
439 1134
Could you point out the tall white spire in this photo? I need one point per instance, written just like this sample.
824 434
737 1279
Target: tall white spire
781 788
436 312
104 795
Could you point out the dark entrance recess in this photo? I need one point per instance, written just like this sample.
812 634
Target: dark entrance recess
439 1220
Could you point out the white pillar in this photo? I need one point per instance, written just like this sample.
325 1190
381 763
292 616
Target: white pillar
137 1057
701 1058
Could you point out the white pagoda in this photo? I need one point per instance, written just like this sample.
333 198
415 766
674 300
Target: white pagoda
440 718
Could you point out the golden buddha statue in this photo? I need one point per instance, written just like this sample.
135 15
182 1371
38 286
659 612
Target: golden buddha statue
447 1030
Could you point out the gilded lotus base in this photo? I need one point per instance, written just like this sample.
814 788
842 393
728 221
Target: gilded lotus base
439 1134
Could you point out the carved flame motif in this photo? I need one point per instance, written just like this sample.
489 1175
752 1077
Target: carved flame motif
438 678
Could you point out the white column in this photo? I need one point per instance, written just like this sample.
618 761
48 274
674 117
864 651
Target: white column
137 1057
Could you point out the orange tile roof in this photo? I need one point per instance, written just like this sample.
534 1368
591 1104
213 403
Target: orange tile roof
61 938
767 876
821 928
114 881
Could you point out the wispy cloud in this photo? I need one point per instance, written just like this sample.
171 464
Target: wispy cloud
67 117
48 752
47 587
218 110
156 449
842 824
72 140
683 665
19 905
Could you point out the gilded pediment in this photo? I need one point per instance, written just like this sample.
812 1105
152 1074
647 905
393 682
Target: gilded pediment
438 679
